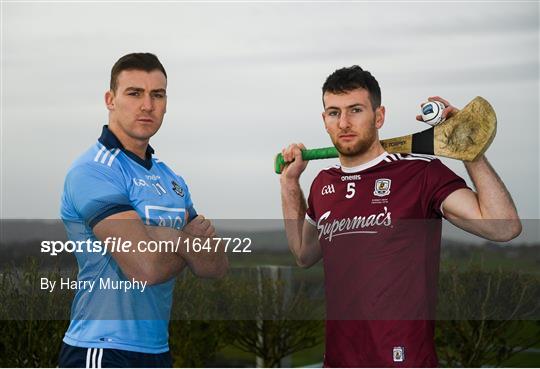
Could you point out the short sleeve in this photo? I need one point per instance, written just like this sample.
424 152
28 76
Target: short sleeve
440 182
188 201
189 204
95 193
310 213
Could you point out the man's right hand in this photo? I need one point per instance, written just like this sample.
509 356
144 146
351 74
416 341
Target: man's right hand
200 227
302 236
293 155
209 264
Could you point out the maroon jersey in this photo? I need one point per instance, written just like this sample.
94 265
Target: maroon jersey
379 227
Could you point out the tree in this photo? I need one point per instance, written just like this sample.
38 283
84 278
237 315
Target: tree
32 322
286 320
488 316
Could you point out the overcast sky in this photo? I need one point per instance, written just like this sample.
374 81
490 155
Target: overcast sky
245 80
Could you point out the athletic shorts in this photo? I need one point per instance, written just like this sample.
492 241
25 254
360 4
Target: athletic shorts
80 357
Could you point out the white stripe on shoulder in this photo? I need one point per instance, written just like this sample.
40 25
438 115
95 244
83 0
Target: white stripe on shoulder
415 158
425 156
113 156
157 160
104 157
397 156
88 354
336 166
99 153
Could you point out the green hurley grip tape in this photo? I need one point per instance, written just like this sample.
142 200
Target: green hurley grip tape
312 154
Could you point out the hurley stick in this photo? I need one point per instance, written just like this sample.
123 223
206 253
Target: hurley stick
465 136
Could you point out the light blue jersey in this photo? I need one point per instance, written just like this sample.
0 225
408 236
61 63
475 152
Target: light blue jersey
108 179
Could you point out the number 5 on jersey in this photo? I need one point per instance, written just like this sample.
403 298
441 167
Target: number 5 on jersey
350 190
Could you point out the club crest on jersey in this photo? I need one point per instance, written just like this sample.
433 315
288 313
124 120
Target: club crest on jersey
178 189
382 187
398 354
328 189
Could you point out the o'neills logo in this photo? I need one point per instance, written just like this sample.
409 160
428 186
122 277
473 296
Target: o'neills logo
340 227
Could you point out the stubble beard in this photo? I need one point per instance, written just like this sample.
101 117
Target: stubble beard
361 146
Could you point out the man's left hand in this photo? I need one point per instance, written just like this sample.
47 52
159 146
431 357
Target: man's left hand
448 112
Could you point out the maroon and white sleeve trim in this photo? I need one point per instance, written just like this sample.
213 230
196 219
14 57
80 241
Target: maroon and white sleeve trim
311 221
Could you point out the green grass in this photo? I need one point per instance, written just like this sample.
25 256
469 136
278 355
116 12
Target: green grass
523 360
230 356
307 357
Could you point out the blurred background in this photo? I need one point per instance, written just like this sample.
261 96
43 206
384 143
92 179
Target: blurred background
245 81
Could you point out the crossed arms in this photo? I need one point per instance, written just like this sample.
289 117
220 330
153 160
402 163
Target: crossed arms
158 267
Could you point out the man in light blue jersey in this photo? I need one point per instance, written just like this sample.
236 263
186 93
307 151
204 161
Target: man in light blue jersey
118 192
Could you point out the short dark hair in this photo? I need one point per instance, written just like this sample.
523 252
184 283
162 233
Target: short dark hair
348 79
138 61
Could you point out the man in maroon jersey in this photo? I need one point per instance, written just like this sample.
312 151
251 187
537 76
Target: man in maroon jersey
375 220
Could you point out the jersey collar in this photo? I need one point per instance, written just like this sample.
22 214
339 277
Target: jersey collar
365 166
110 141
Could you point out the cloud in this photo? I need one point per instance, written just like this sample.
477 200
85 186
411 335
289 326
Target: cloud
244 80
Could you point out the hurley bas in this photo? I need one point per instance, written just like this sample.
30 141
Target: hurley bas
102 284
